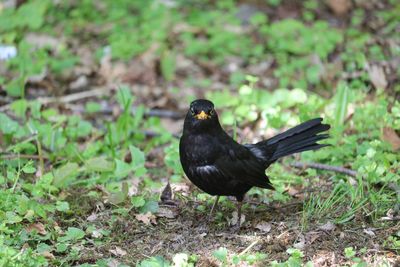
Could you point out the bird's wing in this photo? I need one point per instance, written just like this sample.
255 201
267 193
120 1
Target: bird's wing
238 163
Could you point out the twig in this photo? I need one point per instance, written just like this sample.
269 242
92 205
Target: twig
162 113
397 218
302 165
22 156
249 247
67 98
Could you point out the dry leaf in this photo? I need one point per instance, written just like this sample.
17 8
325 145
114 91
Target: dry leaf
48 255
39 227
146 218
113 263
43 41
339 7
369 231
92 217
329 226
183 188
377 77
264 227
118 251
390 136
301 244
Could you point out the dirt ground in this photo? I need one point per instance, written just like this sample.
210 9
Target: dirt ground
269 229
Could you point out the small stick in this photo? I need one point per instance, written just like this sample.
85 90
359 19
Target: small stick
22 156
249 247
67 98
301 165
162 113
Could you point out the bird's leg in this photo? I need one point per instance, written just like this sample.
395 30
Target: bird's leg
212 208
239 208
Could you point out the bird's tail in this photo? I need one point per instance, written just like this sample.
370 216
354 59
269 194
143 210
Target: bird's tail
301 138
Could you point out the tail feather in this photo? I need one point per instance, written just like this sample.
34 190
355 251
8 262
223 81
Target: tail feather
301 138
295 130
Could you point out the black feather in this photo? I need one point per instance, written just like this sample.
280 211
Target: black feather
218 165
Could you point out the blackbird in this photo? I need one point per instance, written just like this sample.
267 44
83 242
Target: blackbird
220 166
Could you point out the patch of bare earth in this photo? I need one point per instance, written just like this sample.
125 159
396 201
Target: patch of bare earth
268 229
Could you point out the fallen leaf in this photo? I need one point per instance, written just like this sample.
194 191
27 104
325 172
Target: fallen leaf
133 187
292 191
329 226
43 41
339 7
118 252
113 263
377 77
369 231
312 236
147 218
181 187
39 227
264 227
92 217
390 136
48 255
301 244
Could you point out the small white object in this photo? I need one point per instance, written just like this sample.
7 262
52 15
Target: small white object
7 52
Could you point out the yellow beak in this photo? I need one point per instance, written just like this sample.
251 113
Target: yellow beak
202 116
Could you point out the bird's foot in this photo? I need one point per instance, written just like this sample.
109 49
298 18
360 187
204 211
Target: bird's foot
236 222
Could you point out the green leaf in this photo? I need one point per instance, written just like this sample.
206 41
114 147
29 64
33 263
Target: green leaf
221 254
7 125
349 252
32 14
120 196
64 175
137 201
157 261
16 87
62 206
12 217
19 107
138 158
124 97
168 65
99 164
61 247
150 206
341 103
28 168
72 234
92 107
122 169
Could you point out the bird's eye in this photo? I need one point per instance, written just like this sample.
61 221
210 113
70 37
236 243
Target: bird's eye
192 111
212 111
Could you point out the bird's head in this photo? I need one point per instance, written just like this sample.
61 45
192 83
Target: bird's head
201 116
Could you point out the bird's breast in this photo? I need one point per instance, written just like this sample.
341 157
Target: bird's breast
201 150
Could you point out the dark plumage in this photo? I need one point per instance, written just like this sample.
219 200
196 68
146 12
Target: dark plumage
220 166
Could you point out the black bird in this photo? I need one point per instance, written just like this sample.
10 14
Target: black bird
220 166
